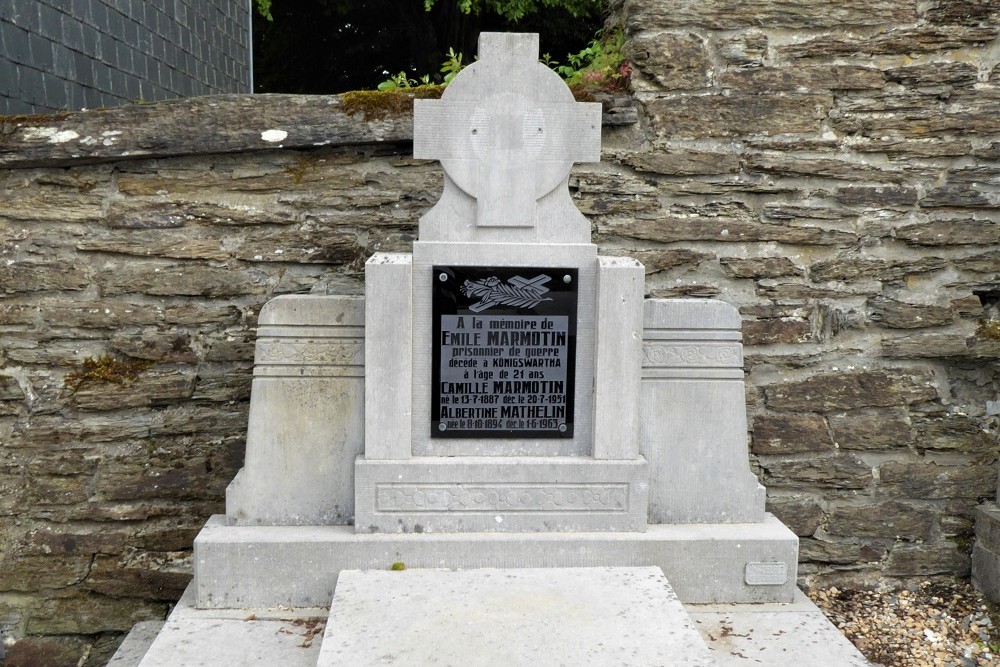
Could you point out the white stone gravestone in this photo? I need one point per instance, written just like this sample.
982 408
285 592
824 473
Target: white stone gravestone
504 397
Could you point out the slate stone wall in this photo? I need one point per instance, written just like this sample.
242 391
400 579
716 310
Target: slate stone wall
832 171
56 54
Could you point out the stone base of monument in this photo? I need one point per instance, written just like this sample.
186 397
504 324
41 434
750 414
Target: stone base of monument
986 552
586 603
297 566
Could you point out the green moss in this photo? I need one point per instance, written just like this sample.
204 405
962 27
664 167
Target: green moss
105 369
989 329
303 164
398 567
379 104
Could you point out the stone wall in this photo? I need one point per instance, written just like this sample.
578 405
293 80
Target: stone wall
832 170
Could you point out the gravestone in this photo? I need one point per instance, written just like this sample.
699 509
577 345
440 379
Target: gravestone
502 400
501 397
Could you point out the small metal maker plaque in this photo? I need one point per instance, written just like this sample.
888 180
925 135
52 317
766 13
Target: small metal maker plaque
504 353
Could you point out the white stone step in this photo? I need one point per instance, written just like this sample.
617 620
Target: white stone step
616 616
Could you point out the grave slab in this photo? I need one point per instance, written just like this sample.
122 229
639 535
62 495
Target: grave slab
493 618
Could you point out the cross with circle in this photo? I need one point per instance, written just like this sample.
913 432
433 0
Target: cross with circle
507 130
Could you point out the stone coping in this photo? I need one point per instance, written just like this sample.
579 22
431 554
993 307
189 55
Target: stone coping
207 125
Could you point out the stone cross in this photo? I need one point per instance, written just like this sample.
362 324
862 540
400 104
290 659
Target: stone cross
507 130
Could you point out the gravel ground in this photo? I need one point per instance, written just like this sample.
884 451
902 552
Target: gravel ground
947 624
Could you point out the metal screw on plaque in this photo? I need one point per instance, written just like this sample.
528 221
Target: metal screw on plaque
443 277
441 427
562 428
567 279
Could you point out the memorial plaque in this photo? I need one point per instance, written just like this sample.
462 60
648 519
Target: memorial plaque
504 358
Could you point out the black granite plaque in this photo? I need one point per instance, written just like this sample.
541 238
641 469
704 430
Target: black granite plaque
504 352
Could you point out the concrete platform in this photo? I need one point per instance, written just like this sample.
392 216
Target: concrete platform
795 634
297 566
602 617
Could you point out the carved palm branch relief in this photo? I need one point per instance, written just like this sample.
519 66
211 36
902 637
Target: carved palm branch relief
517 292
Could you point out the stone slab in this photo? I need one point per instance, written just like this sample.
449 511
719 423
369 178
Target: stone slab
479 494
223 638
492 618
776 635
297 566
136 644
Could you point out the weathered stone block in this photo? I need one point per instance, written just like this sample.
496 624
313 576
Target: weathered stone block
778 331
287 244
688 162
760 267
144 575
894 40
701 117
921 560
840 553
932 75
957 433
790 434
951 232
926 346
34 276
745 49
671 61
672 228
871 428
900 315
839 167
833 471
160 346
962 12
987 262
877 196
58 489
852 268
802 514
664 259
846 391
733 15
802 79
48 652
179 280
10 390
931 481
46 572
157 243
892 520
916 114
91 614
